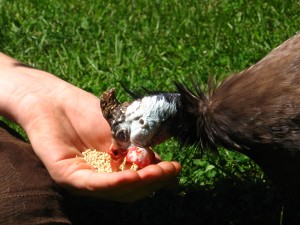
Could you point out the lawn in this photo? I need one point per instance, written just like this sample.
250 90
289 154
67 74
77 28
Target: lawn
95 45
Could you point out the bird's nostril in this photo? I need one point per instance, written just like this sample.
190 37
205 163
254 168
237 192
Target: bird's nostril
141 121
115 152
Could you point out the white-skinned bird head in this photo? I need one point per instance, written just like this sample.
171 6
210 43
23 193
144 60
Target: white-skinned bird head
144 122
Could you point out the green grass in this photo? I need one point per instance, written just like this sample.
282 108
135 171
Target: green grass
96 44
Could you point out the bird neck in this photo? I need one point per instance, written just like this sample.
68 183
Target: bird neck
197 126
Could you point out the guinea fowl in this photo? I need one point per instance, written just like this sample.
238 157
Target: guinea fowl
255 112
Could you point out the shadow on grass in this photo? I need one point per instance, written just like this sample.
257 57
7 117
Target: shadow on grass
226 203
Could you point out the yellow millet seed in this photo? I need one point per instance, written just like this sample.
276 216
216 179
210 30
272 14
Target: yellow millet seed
101 161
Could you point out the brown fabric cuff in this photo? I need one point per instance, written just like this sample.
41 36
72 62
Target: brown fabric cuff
28 195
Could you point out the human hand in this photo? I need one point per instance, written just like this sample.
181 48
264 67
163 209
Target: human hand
61 121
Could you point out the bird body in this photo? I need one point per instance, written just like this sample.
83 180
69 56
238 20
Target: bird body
255 112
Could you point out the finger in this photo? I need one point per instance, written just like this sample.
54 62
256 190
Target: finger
166 179
145 191
170 167
141 193
130 181
126 187
110 182
111 186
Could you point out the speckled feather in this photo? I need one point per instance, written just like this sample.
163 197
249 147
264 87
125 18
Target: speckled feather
113 111
256 112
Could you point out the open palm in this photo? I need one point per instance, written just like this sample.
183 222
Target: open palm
61 122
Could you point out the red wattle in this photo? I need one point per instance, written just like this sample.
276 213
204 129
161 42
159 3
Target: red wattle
142 157
117 157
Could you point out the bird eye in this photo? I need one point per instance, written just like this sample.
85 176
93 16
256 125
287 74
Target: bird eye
122 135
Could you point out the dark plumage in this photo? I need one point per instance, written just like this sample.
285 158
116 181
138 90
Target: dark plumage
113 111
256 112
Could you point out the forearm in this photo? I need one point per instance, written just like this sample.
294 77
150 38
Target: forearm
8 83
61 121
20 86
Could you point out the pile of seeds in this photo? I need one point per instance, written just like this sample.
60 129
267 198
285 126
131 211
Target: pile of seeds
101 161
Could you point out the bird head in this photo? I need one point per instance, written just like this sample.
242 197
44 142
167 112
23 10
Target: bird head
144 122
